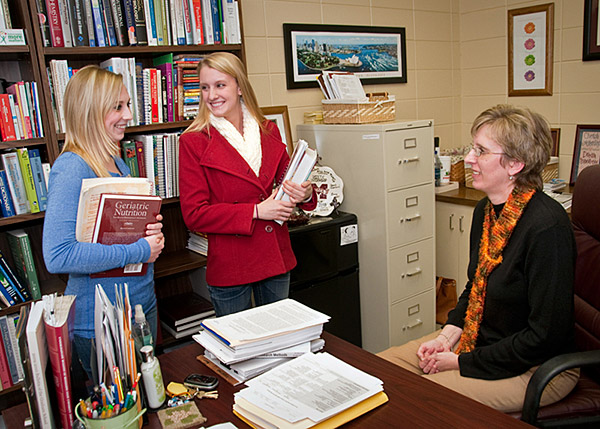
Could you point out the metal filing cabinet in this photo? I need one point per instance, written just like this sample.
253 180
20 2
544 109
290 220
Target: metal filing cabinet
387 171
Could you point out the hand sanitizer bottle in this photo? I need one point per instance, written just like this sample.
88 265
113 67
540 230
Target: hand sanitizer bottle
141 329
152 377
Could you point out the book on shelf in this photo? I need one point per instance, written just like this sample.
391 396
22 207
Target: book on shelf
141 159
21 291
13 320
181 333
273 399
183 309
130 157
122 219
198 242
89 197
63 13
38 178
27 173
37 349
10 347
8 208
20 247
7 126
16 185
5 373
22 339
59 318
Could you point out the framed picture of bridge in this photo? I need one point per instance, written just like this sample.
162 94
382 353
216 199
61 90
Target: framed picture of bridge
374 54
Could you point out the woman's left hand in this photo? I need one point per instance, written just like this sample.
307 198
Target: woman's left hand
442 361
155 228
297 193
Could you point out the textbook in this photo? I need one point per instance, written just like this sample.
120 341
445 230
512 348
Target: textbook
301 165
122 219
89 197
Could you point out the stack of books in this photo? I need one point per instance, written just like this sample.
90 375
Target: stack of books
246 344
198 242
338 393
182 315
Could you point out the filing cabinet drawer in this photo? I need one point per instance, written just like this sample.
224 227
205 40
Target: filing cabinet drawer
412 318
408 157
410 215
411 270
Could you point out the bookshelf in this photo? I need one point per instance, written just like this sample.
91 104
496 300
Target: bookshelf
29 63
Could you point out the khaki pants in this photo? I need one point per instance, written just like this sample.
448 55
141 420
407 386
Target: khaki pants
506 395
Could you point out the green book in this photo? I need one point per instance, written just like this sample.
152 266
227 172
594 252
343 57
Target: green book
23 155
20 247
130 157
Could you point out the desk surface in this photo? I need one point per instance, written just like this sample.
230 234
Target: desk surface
412 399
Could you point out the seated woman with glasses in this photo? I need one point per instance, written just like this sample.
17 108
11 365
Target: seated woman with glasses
517 308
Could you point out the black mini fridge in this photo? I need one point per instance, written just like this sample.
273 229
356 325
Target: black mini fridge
326 277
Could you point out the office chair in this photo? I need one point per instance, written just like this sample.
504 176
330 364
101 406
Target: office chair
582 406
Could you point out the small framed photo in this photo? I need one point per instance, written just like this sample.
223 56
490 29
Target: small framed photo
555 141
591 31
587 149
374 54
530 50
279 115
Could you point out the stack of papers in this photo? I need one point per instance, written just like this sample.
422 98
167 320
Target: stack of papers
564 198
309 390
554 185
341 86
268 333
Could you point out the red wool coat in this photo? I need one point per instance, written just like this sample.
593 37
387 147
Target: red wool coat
218 192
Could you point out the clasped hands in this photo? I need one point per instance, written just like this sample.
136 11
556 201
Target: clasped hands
271 209
436 356
155 238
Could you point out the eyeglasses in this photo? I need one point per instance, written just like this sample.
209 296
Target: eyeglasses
479 151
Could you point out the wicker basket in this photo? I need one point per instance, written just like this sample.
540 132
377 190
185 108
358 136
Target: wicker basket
550 170
457 172
379 108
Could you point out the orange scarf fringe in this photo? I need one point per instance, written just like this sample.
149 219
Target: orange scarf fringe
495 236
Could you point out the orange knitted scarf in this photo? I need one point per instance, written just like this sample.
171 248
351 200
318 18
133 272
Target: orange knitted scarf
494 238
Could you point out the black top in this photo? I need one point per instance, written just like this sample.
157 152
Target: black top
528 312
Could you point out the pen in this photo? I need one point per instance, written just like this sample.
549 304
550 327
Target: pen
117 377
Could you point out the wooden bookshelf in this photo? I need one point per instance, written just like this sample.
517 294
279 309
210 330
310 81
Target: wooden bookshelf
31 60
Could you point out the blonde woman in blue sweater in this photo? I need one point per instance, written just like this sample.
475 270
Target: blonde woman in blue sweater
97 110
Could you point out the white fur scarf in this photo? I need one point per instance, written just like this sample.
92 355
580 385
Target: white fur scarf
248 145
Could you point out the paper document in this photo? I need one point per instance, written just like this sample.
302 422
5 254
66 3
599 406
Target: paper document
265 321
313 386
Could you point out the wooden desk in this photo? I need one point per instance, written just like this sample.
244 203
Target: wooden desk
413 401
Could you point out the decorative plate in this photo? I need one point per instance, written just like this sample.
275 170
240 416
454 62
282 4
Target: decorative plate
329 187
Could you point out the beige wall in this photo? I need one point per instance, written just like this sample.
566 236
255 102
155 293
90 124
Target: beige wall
456 60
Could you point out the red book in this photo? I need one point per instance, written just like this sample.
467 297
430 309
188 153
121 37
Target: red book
139 152
6 119
197 16
122 219
154 95
4 369
58 330
56 32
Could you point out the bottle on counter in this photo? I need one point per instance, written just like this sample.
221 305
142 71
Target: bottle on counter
437 162
152 378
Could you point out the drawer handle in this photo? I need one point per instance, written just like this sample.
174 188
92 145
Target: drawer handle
407 160
451 218
460 224
414 273
415 217
412 325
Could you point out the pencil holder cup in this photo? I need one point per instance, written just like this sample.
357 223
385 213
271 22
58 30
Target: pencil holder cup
127 420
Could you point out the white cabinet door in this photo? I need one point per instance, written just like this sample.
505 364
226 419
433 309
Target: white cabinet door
452 228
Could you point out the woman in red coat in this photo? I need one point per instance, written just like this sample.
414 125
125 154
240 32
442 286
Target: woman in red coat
230 160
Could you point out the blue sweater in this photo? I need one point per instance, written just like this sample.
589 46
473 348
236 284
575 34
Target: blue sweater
64 254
